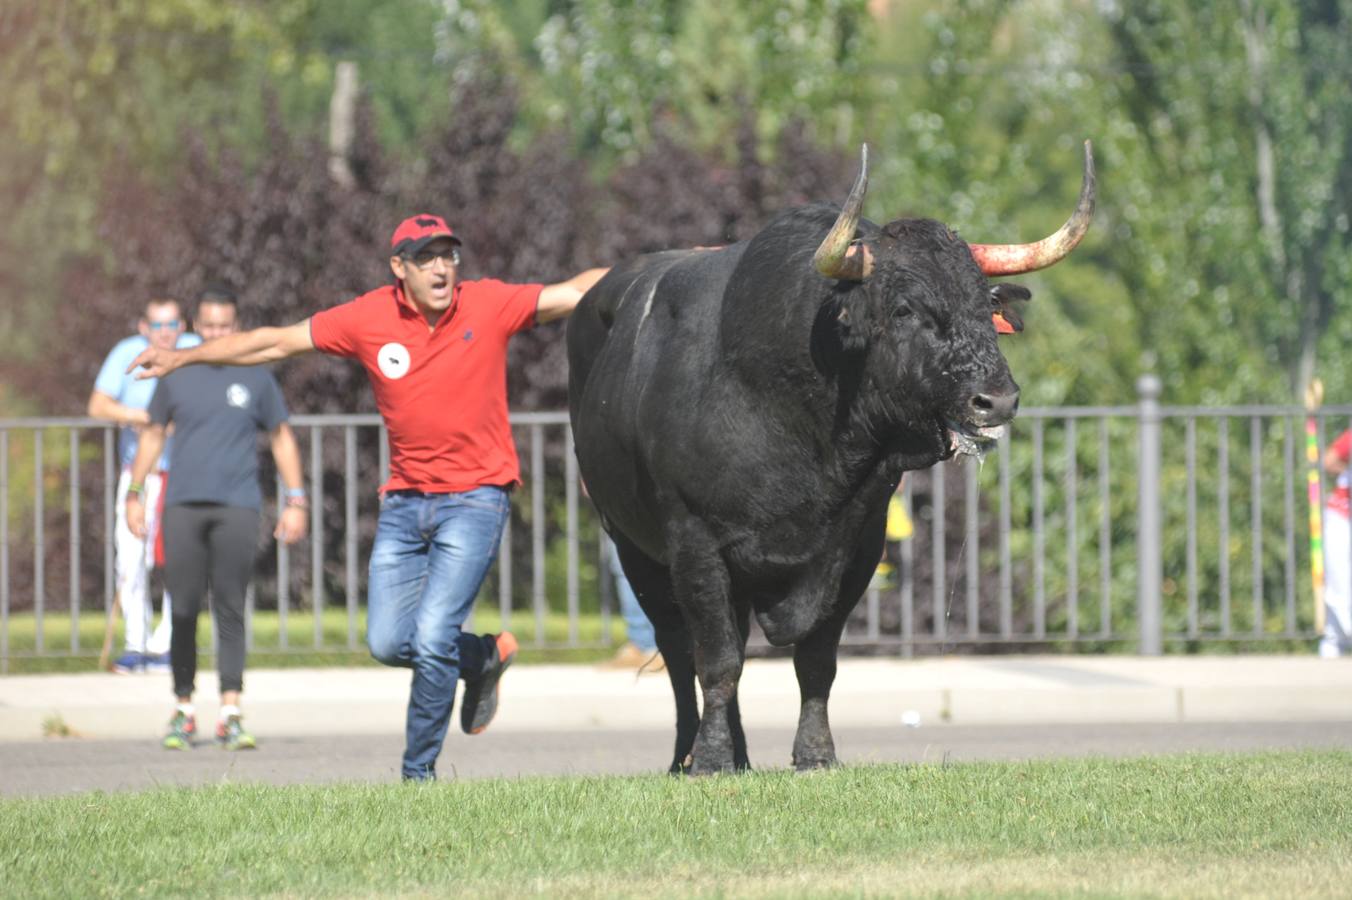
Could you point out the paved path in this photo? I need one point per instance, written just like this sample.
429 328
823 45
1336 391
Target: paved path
320 725
59 767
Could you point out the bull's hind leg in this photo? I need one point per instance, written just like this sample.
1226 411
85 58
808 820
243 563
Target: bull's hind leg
651 582
700 580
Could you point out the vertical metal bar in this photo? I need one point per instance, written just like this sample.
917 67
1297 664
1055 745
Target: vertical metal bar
1289 521
283 571
384 454
1190 465
570 526
907 575
317 531
872 607
605 584
1006 565
505 575
109 517
1149 560
1105 534
75 540
4 551
938 552
1072 533
350 526
1256 518
1039 537
39 544
972 543
537 526
1223 516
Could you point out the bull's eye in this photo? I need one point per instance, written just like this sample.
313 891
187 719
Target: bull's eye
901 311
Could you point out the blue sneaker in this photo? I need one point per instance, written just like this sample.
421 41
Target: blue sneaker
156 662
130 663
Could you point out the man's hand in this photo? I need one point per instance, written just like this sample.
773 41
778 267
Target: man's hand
136 515
155 363
292 525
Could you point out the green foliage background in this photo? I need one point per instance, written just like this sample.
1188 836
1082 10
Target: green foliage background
1220 256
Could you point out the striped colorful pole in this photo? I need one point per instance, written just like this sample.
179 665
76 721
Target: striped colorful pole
1314 397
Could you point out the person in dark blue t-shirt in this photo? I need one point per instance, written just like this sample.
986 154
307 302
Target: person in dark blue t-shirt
212 509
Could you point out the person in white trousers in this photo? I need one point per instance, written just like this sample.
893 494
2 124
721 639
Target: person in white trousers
1337 637
122 399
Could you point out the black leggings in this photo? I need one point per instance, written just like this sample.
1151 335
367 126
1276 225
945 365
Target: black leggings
208 545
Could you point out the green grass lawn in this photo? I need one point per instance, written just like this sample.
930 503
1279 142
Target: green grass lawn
1261 825
302 649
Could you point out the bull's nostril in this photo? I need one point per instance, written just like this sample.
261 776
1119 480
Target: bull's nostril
994 407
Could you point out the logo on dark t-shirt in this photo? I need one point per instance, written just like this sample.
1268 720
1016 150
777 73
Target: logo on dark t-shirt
237 395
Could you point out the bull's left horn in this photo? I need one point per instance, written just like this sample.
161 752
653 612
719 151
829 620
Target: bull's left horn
836 258
1011 259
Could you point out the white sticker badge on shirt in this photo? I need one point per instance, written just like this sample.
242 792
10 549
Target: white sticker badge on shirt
393 361
237 395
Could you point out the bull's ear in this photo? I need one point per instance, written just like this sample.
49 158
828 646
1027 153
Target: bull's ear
850 326
1003 296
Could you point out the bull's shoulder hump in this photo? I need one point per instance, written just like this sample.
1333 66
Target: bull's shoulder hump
640 277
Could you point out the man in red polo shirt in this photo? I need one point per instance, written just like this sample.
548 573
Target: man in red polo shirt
435 349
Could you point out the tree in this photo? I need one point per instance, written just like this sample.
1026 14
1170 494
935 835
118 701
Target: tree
1236 124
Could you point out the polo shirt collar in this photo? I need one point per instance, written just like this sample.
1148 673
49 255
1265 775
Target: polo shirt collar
407 305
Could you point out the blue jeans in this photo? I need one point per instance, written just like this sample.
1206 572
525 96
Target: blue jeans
636 625
430 556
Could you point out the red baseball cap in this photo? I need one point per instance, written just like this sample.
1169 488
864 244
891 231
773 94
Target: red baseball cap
416 232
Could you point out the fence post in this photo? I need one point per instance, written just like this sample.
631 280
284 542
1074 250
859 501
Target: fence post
1149 559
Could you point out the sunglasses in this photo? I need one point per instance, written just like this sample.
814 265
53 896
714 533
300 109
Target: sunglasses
426 258
172 325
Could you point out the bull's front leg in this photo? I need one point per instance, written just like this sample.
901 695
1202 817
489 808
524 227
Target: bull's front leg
814 662
701 584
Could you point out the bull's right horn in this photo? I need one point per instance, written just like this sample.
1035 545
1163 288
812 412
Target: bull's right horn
838 257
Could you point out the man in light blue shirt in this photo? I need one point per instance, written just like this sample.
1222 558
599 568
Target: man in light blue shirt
120 398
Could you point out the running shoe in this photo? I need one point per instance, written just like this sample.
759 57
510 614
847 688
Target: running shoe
182 729
480 702
230 734
129 663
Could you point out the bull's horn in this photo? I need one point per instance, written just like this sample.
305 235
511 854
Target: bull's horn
1011 259
836 258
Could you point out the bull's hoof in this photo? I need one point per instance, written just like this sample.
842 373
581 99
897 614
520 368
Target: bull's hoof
699 769
803 767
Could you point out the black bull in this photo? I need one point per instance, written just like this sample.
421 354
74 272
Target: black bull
742 415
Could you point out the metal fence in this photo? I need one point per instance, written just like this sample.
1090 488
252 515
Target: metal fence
1141 526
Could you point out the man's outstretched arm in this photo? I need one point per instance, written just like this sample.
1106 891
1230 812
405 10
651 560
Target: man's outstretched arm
244 348
558 300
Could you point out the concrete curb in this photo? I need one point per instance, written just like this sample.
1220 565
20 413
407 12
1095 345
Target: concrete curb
867 693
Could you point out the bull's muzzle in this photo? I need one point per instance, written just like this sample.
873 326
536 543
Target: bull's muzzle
988 409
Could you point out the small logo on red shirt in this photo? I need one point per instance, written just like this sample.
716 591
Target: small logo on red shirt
393 361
